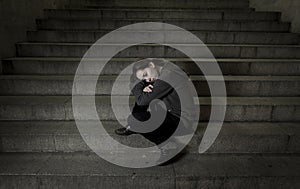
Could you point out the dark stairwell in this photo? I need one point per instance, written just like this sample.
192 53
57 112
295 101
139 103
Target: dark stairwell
258 146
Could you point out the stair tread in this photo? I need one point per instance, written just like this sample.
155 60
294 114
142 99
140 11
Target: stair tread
38 100
98 7
68 128
112 77
168 18
155 31
191 165
159 19
159 9
159 50
179 44
162 19
171 59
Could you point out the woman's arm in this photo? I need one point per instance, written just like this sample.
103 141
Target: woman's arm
159 90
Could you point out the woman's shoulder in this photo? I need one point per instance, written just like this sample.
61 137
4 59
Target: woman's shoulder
170 69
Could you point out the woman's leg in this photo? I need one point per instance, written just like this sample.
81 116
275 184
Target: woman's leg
138 113
162 133
137 108
165 131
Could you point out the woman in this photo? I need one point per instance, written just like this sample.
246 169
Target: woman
148 82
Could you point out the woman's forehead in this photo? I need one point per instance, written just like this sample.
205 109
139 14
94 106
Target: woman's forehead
139 74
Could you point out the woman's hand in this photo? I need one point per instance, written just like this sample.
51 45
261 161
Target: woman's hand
148 89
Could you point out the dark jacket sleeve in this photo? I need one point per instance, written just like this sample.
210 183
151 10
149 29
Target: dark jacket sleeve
160 89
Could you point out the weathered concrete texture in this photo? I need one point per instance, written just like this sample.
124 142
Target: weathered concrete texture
62 85
60 108
161 14
63 136
262 38
78 170
250 175
165 3
15 19
158 51
41 148
68 65
204 25
288 8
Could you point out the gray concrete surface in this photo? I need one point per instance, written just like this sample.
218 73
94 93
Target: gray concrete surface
192 14
235 85
262 38
204 25
229 66
60 108
258 146
288 8
63 136
164 3
78 170
158 51
16 17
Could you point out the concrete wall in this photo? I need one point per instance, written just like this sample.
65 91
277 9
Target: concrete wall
288 8
18 16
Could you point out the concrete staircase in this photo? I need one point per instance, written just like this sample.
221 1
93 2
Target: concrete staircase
258 146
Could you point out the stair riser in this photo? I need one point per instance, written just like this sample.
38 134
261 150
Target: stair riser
168 4
235 137
64 87
240 182
205 37
115 67
87 170
193 9
63 111
132 14
114 182
158 51
203 25
223 144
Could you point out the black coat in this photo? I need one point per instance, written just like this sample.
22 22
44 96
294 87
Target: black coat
165 92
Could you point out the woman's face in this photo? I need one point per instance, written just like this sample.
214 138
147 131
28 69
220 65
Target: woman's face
149 74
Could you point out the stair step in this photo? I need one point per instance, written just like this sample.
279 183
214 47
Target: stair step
205 36
79 170
161 14
157 9
235 85
166 4
166 9
205 25
64 65
235 137
60 108
155 50
147 9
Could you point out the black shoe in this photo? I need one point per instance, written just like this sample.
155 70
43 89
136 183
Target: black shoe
124 131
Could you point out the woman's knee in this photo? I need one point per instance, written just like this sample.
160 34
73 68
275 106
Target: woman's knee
140 116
